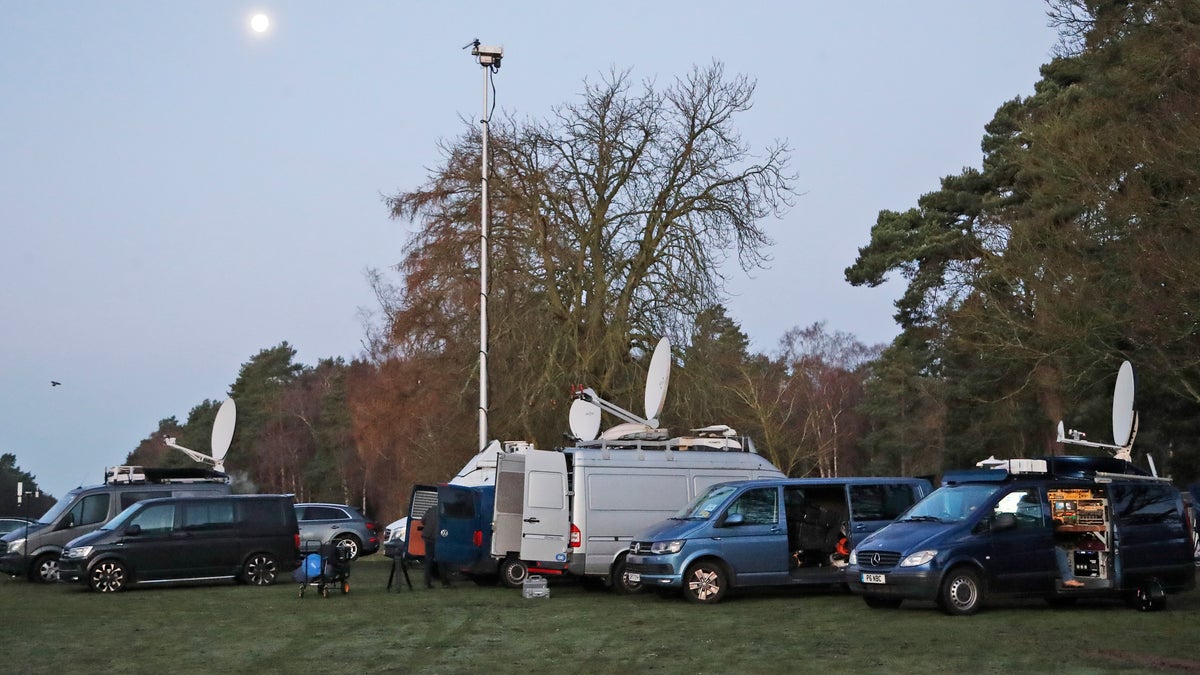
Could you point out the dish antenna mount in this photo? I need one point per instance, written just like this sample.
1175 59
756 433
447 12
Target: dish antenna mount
585 410
1124 418
222 435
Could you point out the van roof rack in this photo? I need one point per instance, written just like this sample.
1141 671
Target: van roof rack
1071 467
683 443
143 474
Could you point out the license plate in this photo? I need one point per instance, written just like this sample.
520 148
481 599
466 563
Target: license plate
633 577
873 579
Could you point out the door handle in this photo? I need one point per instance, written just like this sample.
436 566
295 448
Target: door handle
532 520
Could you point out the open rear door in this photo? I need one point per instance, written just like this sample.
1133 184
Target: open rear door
546 517
510 495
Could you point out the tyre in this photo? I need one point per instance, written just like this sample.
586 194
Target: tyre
879 602
620 579
348 545
260 570
962 592
513 572
44 569
1148 596
705 582
108 576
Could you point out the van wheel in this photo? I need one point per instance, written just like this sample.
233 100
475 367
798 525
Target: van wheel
44 569
348 546
620 580
260 570
513 572
107 576
878 602
705 582
1148 596
962 592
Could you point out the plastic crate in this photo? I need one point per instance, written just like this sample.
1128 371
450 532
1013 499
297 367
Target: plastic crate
535 587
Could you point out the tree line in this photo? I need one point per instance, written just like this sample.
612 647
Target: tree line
616 219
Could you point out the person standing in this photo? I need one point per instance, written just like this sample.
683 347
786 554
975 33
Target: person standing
429 532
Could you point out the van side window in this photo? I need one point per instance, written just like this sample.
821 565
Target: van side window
1026 505
879 502
90 510
209 515
156 519
128 499
1146 503
759 506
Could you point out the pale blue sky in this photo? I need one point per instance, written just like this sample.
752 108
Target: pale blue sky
177 193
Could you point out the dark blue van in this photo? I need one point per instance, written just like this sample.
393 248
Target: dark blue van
766 532
1062 528
464 541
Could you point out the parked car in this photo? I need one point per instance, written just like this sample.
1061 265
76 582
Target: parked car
9 524
1059 528
34 551
342 525
249 538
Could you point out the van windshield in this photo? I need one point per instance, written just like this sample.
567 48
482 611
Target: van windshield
706 503
120 518
58 508
951 504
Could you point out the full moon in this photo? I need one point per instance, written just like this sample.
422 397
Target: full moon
260 23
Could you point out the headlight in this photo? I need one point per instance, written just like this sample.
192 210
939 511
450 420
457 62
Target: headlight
665 547
854 557
77 552
16 546
918 558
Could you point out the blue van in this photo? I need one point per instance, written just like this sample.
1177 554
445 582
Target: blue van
766 532
1061 528
464 541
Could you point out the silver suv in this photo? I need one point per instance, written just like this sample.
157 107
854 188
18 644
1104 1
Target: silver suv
343 525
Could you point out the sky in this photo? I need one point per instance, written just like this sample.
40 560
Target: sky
179 192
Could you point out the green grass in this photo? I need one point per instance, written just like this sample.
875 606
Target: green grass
230 628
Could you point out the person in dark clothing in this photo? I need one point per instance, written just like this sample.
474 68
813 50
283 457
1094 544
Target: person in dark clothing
429 532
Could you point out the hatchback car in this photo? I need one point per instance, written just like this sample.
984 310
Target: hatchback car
343 525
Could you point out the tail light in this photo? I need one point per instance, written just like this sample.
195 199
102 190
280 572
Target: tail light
576 537
373 527
297 536
477 538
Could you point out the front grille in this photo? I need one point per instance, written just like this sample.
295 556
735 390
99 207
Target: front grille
877 560
650 568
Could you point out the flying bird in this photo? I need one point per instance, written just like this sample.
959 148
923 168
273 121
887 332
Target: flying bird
55 384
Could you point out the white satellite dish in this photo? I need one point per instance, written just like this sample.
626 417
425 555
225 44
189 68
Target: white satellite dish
585 420
222 436
657 378
1123 415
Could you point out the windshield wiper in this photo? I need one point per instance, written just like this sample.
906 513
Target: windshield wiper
922 519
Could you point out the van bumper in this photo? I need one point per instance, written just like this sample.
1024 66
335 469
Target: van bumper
910 583
13 563
653 571
71 571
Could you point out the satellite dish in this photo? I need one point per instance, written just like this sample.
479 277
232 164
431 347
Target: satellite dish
585 420
657 378
1123 416
222 432
1062 433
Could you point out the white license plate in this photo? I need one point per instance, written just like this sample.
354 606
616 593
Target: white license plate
633 577
873 579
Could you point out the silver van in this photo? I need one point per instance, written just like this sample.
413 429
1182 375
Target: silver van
34 552
576 511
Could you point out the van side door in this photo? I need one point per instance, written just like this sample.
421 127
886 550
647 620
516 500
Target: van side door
546 517
213 538
1020 541
754 543
151 545
1150 532
509 500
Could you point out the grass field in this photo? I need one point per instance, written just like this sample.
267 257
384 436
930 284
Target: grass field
230 628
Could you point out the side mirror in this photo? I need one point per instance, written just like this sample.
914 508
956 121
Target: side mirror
1004 521
133 530
67 523
734 519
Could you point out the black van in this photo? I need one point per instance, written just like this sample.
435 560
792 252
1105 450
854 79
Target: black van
1061 528
249 538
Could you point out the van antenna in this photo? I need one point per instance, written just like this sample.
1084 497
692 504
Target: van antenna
1124 419
222 436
